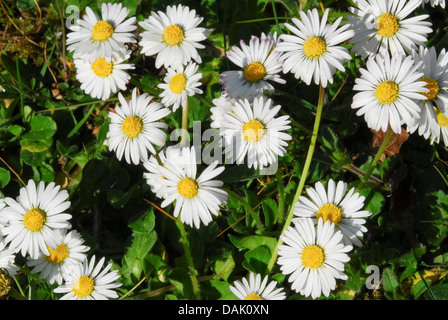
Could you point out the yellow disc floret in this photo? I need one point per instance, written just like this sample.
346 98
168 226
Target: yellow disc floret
314 47
132 126
178 83
58 255
187 188
34 219
330 212
253 296
254 72
83 286
173 35
253 131
387 92
387 25
313 256
102 30
102 68
433 87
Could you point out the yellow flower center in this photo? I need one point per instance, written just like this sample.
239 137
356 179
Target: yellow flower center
58 255
314 47
254 72
132 126
387 25
253 296
433 88
253 131
173 35
102 30
84 286
330 212
5 282
313 256
34 219
187 188
386 92
178 83
102 68
443 121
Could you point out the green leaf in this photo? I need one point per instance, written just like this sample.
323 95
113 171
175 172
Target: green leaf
33 159
224 266
440 291
257 259
390 282
270 210
252 242
221 290
144 238
5 176
355 282
181 279
42 127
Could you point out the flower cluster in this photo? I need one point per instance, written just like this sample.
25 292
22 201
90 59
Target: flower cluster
36 224
404 86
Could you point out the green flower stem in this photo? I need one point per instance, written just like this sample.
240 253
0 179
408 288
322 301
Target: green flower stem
376 159
304 175
186 244
184 137
281 195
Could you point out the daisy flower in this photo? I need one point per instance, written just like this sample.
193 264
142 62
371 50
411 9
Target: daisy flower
382 26
103 76
389 91
86 282
435 3
180 83
314 257
69 251
153 175
435 74
334 204
196 197
135 127
32 218
255 289
93 37
174 36
252 130
7 259
260 64
312 51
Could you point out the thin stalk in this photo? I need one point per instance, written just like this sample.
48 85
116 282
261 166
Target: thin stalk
304 175
187 250
275 16
281 195
184 137
376 159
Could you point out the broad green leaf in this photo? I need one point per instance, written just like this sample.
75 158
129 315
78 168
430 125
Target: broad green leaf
181 279
5 176
390 282
252 242
440 291
257 259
